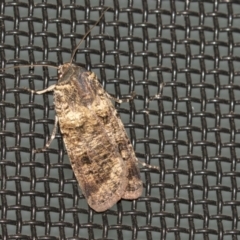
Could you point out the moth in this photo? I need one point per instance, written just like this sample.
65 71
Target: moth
101 155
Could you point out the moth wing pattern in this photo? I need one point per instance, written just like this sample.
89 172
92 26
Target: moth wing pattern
114 127
95 160
101 155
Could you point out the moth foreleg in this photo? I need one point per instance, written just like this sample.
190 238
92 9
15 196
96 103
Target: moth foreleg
49 89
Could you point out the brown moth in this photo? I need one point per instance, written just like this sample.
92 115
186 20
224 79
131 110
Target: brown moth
101 155
100 152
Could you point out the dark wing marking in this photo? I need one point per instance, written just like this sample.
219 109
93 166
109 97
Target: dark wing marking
97 166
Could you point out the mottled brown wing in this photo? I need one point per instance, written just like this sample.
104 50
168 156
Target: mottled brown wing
99 169
113 126
95 158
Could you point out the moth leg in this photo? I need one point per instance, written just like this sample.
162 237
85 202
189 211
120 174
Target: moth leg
49 89
121 100
159 95
113 98
53 134
147 165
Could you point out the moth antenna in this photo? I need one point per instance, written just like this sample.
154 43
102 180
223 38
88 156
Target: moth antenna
75 50
37 65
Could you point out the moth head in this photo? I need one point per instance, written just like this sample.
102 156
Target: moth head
63 69
67 72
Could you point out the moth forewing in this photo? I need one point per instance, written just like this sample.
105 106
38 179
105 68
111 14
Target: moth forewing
100 152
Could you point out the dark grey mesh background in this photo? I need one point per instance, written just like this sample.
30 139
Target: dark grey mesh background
187 54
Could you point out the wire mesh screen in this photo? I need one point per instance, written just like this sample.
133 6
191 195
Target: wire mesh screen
180 58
